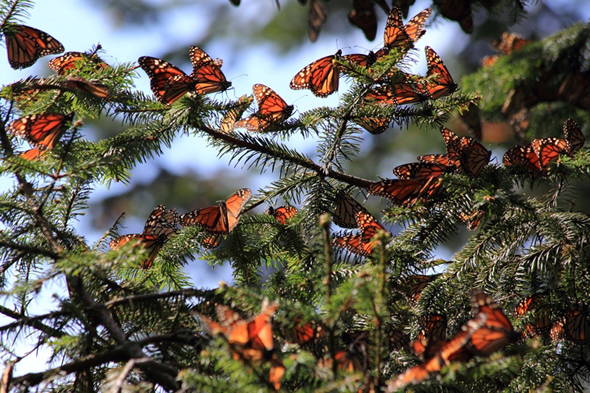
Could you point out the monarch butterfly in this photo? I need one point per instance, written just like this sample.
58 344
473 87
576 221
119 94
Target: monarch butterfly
249 340
96 89
439 81
509 42
345 212
574 326
440 159
233 114
363 16
401 37
272 110
361 244
207 72
541 322
482 335
70 61
474 157
522 156
414 285
161 224
25 44
306 332
549 150
400 93
40 130
375 125
420 170
573 135
218 219
431 336
321 76
406 191
357 59
282 213
167 82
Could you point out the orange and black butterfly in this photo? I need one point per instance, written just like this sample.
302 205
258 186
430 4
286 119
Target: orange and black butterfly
207 72
40 130
420 170
548 150
574 326
71 61
402 92
522 156
346 209
540 323
439 82
250 340
161 224
76 83
272 110
321 76
375 124
401 37
282 213
482 335
308 331
230 118
218 219
25 44
573 135
362 243
169 83
431 337
406 191
473 219
510 42
414 285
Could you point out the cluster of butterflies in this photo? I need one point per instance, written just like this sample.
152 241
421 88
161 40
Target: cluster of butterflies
251 340
536 156
573 325
162 223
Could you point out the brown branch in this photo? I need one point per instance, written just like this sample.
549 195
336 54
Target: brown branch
159 295
340 176
31 321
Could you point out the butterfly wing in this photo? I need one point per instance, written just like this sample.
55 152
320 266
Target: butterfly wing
168 83
375 125
440 80
41 130
345 213
549 150
207 72
321 77
25 44
234 205
272 109
440 159
394 34
364 17
161 222
523 156
573 135
282 213
70 61
354 244
368 225
431 337
415 27
420 170
404 191
474 158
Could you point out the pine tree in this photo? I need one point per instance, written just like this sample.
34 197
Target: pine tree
312 308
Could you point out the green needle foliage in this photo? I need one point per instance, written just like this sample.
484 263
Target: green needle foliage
343 322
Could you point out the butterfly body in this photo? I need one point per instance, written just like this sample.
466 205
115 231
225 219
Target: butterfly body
25 44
